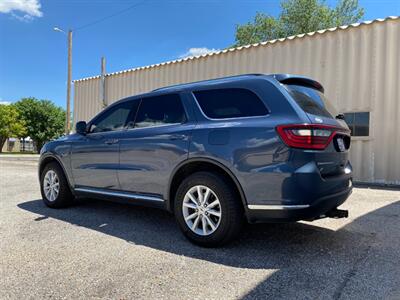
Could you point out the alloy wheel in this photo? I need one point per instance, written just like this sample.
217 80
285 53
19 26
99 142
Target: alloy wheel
51 185
201 210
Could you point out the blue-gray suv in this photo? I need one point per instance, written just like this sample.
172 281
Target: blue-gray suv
261 148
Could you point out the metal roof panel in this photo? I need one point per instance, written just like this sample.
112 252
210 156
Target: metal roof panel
298 36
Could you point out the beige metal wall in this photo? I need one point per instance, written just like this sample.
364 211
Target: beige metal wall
359 66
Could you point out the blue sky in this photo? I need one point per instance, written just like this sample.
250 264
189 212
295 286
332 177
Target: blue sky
33 56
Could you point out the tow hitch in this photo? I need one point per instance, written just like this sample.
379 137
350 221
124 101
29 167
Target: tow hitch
334 213
337 213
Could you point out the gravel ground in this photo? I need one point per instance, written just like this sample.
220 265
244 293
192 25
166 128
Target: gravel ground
106 250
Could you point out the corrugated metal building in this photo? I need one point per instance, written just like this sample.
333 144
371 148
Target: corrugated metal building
359 66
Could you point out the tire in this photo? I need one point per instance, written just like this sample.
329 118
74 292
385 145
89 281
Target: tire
230 209
64 196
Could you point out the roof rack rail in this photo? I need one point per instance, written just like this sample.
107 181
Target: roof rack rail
206 80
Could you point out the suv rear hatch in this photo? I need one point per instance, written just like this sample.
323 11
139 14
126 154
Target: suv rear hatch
326 133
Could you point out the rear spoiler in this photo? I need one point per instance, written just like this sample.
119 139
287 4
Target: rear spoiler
299 80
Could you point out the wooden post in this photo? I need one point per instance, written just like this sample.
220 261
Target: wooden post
69 79
103 82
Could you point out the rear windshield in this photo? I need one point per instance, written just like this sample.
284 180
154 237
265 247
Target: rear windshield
312 101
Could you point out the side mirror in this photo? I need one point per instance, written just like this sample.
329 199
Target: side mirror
81 127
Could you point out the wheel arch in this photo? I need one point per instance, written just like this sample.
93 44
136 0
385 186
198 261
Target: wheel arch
193 165
52 158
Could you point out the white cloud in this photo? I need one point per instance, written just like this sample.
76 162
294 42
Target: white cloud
197 52
22 18
22 10
5 103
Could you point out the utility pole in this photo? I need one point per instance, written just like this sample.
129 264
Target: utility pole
103 82
68 120
69 78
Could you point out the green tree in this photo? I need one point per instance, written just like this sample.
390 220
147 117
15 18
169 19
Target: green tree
10 124
296 17
44 120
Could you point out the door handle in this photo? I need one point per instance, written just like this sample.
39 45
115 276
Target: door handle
176 137
111 141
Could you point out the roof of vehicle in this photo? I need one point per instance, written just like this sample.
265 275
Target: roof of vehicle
283 78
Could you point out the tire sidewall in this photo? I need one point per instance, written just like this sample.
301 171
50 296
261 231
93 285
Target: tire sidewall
64 194
224 194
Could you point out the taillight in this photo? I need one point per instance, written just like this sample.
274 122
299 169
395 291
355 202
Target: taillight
307 136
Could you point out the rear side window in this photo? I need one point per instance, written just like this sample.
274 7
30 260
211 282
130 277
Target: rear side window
160 110
230 103
311 101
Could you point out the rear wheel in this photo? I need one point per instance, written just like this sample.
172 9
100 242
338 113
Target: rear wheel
54 187
208 211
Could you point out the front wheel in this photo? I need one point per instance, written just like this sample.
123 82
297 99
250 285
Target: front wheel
208 211
54 187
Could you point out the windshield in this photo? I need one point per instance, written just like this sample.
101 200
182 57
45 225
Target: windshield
312 101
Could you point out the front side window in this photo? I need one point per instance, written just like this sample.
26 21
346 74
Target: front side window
230 103
160 110
312 101
358 123
114 118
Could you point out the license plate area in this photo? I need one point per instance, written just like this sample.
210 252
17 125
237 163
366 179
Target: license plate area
342 143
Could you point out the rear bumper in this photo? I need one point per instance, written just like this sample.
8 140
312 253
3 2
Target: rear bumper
291 213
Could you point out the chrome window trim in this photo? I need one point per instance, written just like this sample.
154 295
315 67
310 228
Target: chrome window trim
276 207
161 125
120 194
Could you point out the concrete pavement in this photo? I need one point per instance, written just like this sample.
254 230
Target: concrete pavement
101 250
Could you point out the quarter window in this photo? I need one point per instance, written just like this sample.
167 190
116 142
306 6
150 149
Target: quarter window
358 123
230 103
160 110
114 118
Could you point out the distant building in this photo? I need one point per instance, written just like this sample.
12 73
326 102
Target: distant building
357 64
19 145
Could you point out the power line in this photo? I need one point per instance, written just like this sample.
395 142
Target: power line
109 16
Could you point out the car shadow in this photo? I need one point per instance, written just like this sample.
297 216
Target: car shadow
307 257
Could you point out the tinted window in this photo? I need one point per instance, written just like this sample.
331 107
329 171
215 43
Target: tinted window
312 101
230 103
114 118
160 110
358 123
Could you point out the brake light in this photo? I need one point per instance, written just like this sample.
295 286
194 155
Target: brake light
307 136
